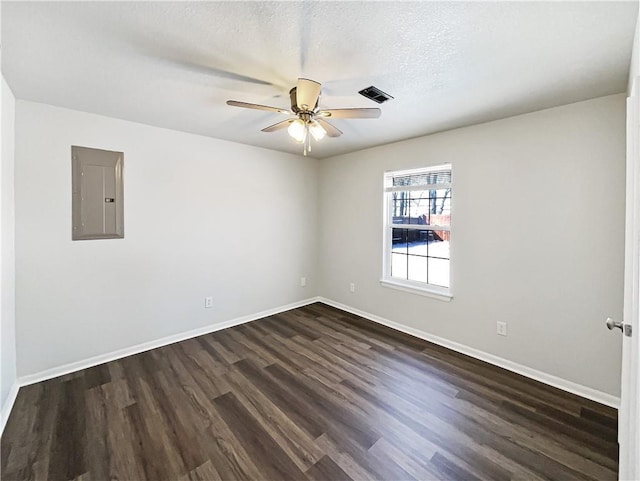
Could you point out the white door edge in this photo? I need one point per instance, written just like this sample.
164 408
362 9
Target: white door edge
629 413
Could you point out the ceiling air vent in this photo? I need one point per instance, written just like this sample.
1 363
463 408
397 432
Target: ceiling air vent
375 94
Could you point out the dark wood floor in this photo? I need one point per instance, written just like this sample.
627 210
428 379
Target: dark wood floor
314 393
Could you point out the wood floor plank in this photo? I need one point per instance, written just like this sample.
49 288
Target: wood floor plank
293 440
326 469
598 417
539 437
99 456
452 439
407 459
449 470
380 466
281 397
499 380
206 472
344 460
67 451
273 462
317 399
120 443
313 393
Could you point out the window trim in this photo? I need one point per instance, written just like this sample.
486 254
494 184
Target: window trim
427 290
386 280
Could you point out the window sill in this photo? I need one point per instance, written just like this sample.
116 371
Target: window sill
433 292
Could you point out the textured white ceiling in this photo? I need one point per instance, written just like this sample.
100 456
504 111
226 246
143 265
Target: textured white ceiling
448 64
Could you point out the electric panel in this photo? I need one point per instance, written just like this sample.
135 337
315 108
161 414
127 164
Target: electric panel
97 206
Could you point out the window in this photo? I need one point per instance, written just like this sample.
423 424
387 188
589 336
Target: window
417 230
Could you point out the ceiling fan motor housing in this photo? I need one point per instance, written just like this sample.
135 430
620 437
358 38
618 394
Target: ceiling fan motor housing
294 102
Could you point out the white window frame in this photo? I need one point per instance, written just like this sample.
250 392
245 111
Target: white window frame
416 287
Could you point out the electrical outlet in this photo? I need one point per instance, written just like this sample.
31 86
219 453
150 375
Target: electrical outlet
502 328
352 287
303 281
208 302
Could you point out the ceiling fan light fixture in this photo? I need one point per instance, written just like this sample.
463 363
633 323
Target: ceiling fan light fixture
297 130
317 131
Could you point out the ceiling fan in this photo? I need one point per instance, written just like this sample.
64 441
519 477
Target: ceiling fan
308 121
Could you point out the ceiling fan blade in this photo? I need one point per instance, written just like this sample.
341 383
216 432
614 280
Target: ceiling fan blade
246 105
278 126
350 113
331 130
230 75
307 94
217 72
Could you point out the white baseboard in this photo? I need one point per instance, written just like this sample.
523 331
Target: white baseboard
551 380
147 346
8 405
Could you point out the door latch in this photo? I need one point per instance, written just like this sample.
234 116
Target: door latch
625 328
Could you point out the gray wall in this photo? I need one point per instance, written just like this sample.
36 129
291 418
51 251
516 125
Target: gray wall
537 237
203 217
634 68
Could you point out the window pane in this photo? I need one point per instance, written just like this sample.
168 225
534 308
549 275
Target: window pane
441 219
399 265
439 247
418 242
399 240
418 210
428 207
439 272
400 206
440 207
417 268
